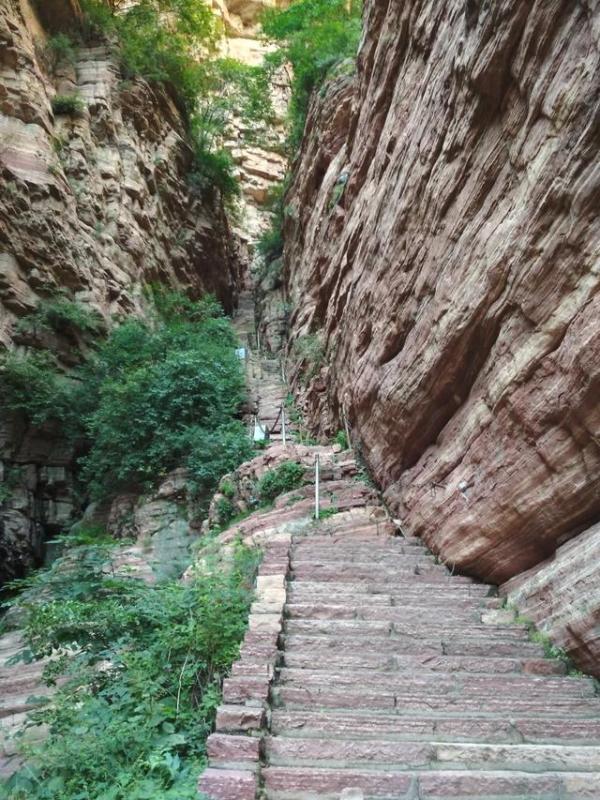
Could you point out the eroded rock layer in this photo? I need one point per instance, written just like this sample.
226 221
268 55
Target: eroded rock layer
442 244
562 597
96 204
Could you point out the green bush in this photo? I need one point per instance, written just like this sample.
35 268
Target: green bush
32 385
287 476
160 41
143 676
154 395
67 104
59 49
167 394
314 36
212 169
61 315
310 351
342 440
270 243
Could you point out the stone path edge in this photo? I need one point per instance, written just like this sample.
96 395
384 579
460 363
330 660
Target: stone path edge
243 719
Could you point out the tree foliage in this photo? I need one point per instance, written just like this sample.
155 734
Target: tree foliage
141 669
156 394
313 36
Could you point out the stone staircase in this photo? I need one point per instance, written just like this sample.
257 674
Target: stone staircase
266 388
384 676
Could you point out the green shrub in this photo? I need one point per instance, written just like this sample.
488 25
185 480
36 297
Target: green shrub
159 40
67 104
61 315
244 91
287 476
314 36
213 169
227 489
342 440
310 351
143 677
167 395
225 511
59 49
33 385
154 395
270 243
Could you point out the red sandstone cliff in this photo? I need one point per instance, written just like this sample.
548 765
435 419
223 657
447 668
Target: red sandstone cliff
96 204
443 242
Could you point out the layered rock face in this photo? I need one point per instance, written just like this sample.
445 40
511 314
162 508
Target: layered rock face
96 204
442 244
562 596
256 149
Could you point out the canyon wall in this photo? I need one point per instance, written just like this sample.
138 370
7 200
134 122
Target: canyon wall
95 204
442 261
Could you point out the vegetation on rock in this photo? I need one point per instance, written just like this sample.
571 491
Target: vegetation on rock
67 104
155 394
61 314
287 476
141 668
314 36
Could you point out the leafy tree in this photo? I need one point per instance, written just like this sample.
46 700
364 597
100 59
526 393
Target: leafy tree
313 36
161 40
141 668
156 394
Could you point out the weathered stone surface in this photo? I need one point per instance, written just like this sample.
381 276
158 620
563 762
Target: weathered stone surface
94 204
228 784
562 597
454 280
229 750
235 719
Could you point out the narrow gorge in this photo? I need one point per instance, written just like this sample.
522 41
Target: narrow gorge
299 400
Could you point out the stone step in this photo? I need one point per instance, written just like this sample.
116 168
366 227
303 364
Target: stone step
418 574
321 646
380 538
304 723
396 756
335 543
467 612
435 684
445 629
375 553
401 663
323 696
301 783
351 541
398 590
394 562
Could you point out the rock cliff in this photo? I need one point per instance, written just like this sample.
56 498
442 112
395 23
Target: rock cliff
96 204
441 259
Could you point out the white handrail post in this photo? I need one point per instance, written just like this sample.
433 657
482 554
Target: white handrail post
283 424
317 478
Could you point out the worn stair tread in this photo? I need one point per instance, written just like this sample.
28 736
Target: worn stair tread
365 725
407 627
406 702
390 662
298 783
320 645
428 754
442 683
